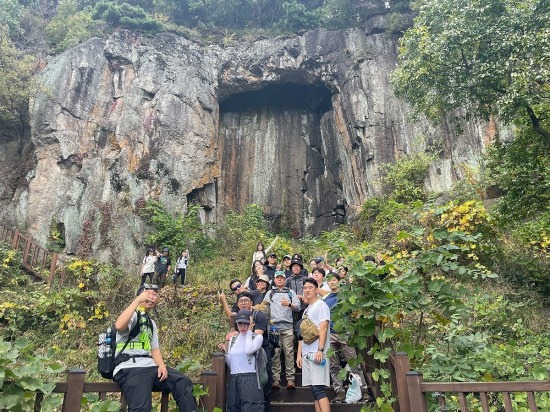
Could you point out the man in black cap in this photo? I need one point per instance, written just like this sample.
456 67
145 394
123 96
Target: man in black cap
244 301
296 283
271 266
164 263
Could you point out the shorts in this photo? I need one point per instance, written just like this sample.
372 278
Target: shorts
313 373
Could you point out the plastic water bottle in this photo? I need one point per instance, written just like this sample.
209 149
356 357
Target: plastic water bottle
312 358
108 350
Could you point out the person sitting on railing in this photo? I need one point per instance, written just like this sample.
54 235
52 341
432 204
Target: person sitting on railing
140 369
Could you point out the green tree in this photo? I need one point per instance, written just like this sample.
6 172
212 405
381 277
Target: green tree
69 26
10 12
16 86
489 57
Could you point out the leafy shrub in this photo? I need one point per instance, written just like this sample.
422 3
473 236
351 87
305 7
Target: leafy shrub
126 15
22 373
405 178
177 232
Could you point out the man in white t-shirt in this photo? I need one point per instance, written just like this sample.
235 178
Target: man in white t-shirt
312 357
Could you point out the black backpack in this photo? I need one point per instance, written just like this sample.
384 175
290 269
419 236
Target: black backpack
106 359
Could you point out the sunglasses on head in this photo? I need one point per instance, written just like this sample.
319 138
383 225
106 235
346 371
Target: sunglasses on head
236 287
148 286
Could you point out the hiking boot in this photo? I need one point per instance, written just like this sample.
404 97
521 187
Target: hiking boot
290 385
365 395
276 386
340 396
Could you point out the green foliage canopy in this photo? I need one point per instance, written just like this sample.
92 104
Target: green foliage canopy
488 57
16 85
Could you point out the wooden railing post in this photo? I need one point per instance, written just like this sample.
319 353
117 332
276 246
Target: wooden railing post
218 366
15 239
53 266
417 399
401 367
208 380
75 389
26 250
164 398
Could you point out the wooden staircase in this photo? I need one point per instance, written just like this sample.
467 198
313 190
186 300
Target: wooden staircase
301 399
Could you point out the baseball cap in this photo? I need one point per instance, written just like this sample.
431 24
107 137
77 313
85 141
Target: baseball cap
245 294
243 316
296 262
287 257
263 278
280 273
273 255
319 259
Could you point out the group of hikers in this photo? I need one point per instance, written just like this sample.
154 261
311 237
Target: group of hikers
291 308
156 265
281 309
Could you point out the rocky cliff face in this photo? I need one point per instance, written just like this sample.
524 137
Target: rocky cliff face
298 124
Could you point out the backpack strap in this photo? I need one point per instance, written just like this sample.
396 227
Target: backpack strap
231 342
133 333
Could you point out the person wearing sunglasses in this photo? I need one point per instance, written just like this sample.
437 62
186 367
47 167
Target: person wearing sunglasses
236 287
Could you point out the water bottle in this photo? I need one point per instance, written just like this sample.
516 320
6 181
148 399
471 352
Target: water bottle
108 349
312 358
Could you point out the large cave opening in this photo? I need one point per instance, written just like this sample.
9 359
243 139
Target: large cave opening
277 149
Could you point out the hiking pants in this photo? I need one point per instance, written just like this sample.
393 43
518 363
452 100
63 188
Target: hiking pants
342 351
180 272
286 345
138 383
160 279
144 277
243 394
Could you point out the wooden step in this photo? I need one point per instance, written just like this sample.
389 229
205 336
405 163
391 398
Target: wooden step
310 407
300 394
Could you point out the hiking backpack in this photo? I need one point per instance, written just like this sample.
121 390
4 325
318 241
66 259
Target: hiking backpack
106 349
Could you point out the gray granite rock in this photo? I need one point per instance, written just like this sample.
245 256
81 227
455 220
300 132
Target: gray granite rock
298 124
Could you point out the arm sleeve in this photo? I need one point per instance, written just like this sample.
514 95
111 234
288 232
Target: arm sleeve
155 340
253 343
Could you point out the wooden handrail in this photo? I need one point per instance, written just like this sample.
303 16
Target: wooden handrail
417 390
76 386
35 257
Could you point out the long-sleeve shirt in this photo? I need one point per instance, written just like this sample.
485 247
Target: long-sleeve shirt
240 358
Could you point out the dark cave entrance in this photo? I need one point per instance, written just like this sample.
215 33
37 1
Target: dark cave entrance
277 149
283 96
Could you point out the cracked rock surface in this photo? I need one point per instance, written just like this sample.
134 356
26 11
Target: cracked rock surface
298 124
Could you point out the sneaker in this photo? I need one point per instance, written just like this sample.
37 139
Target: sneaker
290 385
340 396
276 386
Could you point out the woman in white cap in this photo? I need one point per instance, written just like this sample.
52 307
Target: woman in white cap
244 394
